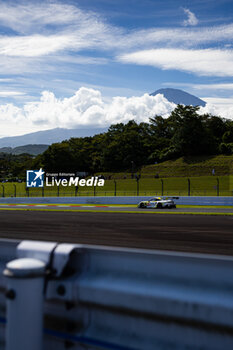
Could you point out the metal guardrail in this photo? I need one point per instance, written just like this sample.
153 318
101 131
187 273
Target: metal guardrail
114 298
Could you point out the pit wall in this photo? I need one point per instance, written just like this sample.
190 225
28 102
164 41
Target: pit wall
117 200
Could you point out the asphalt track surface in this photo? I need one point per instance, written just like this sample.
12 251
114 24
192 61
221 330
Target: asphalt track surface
190 233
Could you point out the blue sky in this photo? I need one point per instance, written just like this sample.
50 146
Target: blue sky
65 63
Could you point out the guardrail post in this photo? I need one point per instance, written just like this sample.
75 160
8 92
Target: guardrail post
189 186
217 186
27 191
94 190
42 189
162 186
58 191
14 190
137 179
115 188
25 284
3 191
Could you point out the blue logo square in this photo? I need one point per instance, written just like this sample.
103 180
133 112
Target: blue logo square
35 178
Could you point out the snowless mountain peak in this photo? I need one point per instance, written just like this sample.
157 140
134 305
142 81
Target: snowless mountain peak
180 97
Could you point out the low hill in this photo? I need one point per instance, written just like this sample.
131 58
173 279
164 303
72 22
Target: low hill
48 136
30 149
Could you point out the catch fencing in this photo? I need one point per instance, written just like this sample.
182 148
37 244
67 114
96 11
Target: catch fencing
179 186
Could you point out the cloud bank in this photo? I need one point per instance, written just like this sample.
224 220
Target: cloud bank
202 62
87 108
43 34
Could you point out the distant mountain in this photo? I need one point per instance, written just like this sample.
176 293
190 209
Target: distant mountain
47 137
30 149
180 97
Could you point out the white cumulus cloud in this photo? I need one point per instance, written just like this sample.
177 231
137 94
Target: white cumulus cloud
222 107
85 108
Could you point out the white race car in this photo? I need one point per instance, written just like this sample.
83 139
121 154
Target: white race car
159 203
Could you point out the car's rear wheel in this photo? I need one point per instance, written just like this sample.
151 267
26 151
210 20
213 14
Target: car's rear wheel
159 206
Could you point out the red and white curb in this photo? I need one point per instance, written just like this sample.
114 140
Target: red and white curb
58 205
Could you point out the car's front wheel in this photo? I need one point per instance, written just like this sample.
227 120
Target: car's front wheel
141 205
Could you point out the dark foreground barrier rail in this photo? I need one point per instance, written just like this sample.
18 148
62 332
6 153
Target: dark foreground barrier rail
108 298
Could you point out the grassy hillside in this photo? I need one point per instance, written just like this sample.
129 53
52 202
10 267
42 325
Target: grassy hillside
191 166
183 167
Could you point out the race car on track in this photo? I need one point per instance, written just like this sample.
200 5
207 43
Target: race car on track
159 203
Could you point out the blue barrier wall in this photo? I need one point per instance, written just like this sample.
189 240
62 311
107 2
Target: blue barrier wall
118 200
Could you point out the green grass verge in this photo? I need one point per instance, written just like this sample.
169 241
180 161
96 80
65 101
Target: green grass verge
177 186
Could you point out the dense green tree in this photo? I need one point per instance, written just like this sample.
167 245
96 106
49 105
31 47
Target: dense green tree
126 145
228 136
189 136
58 157
14 166
129 146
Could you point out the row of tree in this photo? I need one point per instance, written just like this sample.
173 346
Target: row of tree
184 133
14 166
